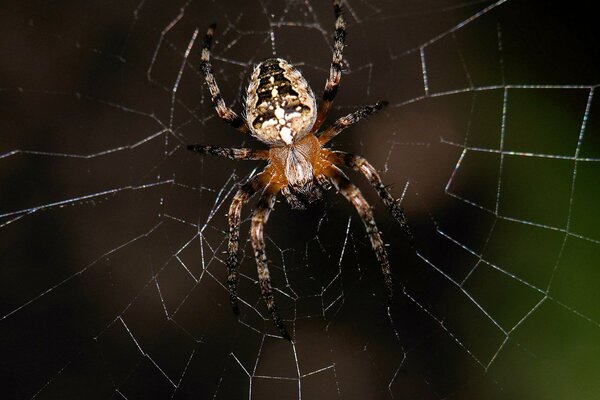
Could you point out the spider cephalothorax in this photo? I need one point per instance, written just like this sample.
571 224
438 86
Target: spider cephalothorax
281 111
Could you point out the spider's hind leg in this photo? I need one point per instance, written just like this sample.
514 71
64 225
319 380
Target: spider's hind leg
335 70
348 120
224 112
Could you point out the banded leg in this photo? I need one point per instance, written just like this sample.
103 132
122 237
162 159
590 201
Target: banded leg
294 201
323 182
360 164
225 113
354 196
348 120
232 153
259 218
235 210
335 71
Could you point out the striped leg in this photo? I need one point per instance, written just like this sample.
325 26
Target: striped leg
225 113
348 120
361 165
232 153
235 211
354 196
335 71
259 219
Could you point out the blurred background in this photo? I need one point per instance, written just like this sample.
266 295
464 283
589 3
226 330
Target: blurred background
112 234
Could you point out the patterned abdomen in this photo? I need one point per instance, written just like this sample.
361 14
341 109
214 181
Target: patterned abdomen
280 106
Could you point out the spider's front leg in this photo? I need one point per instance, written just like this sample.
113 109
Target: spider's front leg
354 196
235 211
360 164
259 218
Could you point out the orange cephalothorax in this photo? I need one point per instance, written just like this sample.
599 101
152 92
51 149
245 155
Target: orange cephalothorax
295 164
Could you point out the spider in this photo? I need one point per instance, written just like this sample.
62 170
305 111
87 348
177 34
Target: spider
281 111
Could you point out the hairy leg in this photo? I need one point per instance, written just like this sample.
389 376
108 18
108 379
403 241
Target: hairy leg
225 113
235 210
348 120
335 70
259 219
232 153
360 164
294 201
354 196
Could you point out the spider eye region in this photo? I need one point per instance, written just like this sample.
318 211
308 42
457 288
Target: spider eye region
280 106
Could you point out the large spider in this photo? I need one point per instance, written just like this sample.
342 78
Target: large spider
281 111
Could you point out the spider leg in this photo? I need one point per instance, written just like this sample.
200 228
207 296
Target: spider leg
232 153
323 182
225 113
259 218
348 120
291 198
335 71
360 164
354 196
235 210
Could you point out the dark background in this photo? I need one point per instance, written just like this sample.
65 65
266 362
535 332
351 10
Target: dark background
112 234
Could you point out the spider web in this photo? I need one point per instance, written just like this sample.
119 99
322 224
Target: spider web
113 234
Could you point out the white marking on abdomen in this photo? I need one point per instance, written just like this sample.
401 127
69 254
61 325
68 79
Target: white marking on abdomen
286 135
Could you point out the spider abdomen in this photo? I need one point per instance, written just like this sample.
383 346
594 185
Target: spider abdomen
280 106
